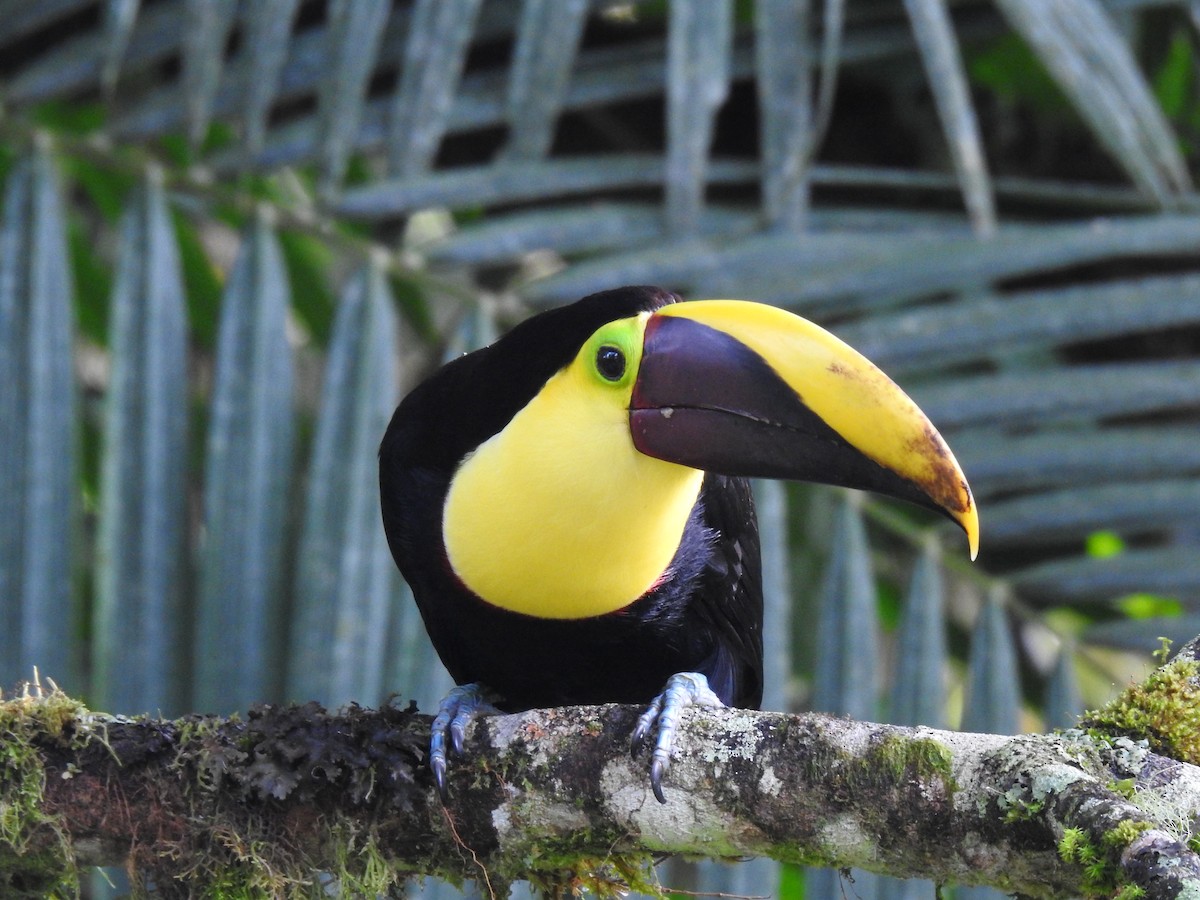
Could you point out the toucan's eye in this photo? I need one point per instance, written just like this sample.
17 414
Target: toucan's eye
610 363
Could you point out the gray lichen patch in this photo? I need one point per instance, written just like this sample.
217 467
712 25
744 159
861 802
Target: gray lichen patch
688 818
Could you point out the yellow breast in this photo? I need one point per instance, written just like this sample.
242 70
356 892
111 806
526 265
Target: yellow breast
558 516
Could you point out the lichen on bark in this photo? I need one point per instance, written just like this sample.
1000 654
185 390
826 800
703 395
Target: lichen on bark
263 804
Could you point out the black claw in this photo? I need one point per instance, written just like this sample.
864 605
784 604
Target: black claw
439 778
656 774
638 744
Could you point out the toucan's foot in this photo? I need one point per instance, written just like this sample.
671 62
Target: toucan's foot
683 689
455 712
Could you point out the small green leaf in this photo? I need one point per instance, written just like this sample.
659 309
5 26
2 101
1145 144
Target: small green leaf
1103 544
93 283
201 281
107 188
1173 82
308 260
414 307
888 607
219 136
1149 606
70 118
1013 72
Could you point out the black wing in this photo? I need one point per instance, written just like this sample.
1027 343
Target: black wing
730 598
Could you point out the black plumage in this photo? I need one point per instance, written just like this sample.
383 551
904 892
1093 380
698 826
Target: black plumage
705 613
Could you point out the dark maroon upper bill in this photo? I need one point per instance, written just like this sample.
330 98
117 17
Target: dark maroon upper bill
705 400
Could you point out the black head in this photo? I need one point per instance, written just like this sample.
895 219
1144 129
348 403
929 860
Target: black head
473 397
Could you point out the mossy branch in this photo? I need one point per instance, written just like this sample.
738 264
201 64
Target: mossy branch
261 806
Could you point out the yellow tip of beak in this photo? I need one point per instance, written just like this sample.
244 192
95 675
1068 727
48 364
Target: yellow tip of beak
969 520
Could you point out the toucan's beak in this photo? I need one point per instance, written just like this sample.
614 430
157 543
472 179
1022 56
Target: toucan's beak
747 389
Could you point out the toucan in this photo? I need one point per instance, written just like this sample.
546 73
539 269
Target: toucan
571 510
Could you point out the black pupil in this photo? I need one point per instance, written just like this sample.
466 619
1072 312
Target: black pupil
610 363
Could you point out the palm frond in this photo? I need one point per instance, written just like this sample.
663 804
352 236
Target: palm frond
38 441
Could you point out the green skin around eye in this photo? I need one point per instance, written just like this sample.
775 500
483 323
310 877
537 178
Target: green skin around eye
623 336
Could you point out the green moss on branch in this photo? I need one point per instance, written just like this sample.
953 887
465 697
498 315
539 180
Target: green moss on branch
1163 710
35 853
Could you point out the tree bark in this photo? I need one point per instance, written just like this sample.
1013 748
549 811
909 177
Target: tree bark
553 795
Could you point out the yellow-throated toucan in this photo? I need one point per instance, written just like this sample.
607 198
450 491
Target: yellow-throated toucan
570 507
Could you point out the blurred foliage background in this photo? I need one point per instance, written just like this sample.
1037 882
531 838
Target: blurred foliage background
234 232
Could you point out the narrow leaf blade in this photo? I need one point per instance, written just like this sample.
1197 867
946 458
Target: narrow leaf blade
347 581
783 64
844 676
119 19
699 45
1072 514
992 700
1170 571
844 671
1068 394
434 57
1142 635
489 185
143 502
37 449
1001 463
948 81
264 53
248 466
208 25
547 39
919 682
354 35
1064 704
770 499
981 327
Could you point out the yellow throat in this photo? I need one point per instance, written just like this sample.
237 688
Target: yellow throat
558 516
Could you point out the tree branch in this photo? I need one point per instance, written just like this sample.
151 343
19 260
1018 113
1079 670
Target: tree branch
553 795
